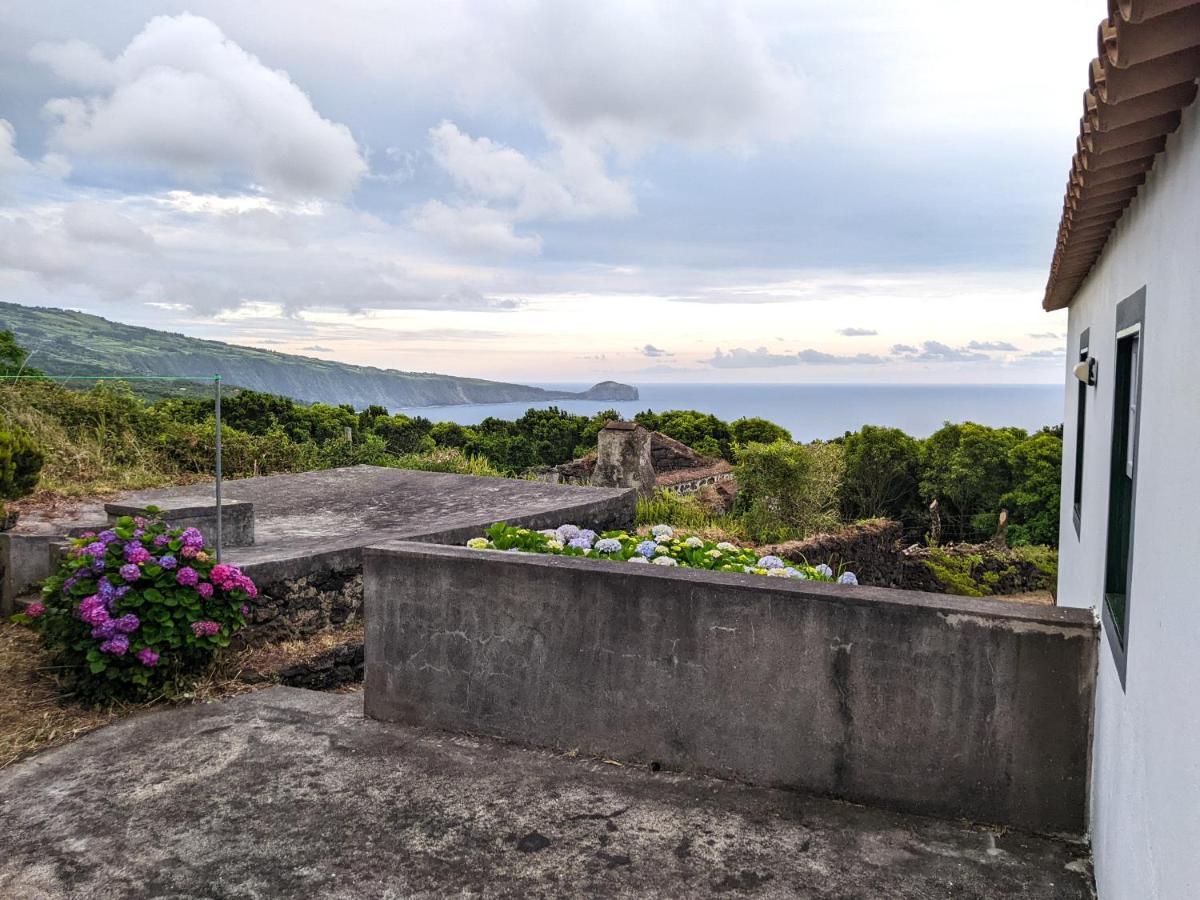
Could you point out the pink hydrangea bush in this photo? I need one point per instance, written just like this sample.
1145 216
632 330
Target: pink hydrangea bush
137 610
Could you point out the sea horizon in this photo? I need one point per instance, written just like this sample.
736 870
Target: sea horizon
809 411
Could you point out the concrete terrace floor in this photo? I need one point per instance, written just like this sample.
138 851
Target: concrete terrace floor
292 793
332 510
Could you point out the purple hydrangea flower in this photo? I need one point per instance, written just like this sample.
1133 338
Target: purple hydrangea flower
34 610
647 548
92 610
608 545
105 630
162 540
187 576
192 539
205 628
107 536
147 657
770 562
168 562
136 553
130 572
122 591
245 610
96 548
127 624
567 533
848 578
823 569
580 543
204 589
116 645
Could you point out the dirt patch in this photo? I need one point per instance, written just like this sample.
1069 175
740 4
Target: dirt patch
35 713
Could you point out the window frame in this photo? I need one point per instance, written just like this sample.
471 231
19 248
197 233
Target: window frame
1080 436
1127 406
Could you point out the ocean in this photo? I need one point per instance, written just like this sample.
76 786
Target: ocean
810 411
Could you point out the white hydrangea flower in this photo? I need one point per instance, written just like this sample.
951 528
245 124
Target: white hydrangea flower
665 561
662 532
660 549
778 573
726 546
554 545
478 543
714 553
548 532
694 542
638 559
823 569
848 578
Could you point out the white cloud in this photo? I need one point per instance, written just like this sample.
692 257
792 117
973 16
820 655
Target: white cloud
652 351
76 62
184 98
473 229
11 162
991 345
857 332
936 351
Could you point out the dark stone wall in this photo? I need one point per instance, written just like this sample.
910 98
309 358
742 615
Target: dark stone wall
871 550
945 706
299 607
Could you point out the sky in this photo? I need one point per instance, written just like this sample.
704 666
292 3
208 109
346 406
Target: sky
704 191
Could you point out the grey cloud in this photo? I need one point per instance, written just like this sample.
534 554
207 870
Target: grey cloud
95 223
903 348
741 358
857 332
936 351
1048 336
317 348
991 345
651 350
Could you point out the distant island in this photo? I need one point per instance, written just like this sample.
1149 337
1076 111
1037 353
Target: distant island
63 342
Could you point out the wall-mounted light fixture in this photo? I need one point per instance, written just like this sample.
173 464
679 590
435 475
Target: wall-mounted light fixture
1085 371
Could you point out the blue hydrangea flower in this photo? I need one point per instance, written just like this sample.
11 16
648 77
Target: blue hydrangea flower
567 533
770 562
580 543
646 548
794 573
823 569
848 578
608 545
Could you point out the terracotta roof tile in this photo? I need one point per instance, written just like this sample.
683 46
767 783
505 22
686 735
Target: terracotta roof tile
1145 73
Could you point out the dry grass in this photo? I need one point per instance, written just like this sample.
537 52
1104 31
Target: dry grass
35 715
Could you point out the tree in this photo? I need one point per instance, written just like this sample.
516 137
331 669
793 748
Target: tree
966 468
704 433
553 434
788 490
755 430
449 434
401 435
13 356
1033 502
882 475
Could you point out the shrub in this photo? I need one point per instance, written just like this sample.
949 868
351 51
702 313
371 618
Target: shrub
967 468
136 611
1033 502
788 490
668 506
448 459
882 473
20 465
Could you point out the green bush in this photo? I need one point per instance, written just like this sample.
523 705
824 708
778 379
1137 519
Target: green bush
755 430
683 511
21 462
788 490
136 611
882 478
967 468
448 459
1033 502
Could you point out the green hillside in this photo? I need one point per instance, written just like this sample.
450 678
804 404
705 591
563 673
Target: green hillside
62 342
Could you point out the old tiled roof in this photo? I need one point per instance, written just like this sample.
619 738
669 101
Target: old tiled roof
1149 58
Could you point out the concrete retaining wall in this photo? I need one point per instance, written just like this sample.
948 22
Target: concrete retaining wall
24 563
940 705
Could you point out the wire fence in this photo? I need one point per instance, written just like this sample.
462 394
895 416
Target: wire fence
216 383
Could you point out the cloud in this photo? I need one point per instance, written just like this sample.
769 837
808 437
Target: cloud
936 351
991 345
857 332
11 162
500 187
651 350
1056 353
741 358
95 223
1048 336
473 229
185 99
317 348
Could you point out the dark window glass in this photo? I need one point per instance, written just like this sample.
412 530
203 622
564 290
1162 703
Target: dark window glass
1080 430
1121 483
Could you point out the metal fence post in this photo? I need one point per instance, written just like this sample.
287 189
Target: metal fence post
217 408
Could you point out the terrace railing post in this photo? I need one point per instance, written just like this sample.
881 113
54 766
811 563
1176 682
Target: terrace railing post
217 419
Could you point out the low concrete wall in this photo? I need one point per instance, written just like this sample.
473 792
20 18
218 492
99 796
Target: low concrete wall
237 517
24 563
940 705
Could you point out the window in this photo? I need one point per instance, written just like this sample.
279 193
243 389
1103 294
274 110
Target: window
1080 428
1122 481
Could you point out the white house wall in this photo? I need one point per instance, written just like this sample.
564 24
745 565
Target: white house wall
1145 797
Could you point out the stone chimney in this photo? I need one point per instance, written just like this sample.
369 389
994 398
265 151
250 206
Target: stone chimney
623 458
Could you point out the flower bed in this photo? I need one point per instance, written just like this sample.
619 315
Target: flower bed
664 547
137 609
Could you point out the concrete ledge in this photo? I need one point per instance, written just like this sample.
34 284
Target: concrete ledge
237 517
940 705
